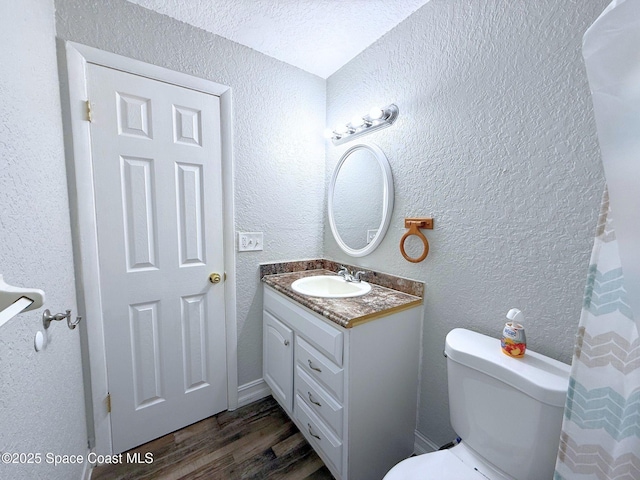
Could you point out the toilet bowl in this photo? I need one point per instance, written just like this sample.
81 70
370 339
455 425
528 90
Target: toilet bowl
508 412
446 465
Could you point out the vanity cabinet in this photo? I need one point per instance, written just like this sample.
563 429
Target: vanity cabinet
352 392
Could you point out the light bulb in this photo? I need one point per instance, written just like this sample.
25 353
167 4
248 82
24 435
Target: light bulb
376 113
357 122
342 129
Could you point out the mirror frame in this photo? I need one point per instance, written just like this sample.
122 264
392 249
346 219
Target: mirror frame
387 200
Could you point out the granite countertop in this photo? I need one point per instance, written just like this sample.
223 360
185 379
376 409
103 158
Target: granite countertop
346 312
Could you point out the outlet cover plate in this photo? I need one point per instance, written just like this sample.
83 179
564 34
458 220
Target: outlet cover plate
250 241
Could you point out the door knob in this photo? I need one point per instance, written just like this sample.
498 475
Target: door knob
215 278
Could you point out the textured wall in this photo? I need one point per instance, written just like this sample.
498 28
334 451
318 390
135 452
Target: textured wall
496 141
41 394
278 119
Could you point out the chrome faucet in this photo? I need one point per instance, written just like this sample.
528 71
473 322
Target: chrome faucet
344 273
357 275
349 276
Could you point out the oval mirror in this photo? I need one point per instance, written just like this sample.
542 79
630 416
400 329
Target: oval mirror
360 199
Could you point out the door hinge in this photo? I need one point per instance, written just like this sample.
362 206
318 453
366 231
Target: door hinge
88 104
108 403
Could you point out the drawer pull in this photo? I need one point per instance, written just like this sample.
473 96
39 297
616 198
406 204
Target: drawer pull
315 402
311 432
312 367
286 343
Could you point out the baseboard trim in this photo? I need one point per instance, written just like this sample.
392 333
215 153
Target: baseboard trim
252 391
423 445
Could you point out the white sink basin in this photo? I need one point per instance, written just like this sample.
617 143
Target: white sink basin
330 286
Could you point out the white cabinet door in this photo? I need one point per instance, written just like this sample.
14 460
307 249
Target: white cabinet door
156 159
278 360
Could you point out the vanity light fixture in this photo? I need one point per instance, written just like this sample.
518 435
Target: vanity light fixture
376 119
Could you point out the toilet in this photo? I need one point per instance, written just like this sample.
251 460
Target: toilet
507 411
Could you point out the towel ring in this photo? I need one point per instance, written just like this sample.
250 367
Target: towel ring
414 225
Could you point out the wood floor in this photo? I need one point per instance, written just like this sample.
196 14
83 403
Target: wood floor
258 441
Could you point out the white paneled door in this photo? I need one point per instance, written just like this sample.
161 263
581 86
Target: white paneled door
156 157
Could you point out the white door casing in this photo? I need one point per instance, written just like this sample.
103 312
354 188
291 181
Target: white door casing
187 177
158 193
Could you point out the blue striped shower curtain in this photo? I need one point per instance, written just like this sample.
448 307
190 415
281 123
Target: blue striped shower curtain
600 437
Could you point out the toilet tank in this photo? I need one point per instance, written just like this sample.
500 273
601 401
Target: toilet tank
508 410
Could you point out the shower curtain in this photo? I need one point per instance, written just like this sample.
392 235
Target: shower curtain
600 437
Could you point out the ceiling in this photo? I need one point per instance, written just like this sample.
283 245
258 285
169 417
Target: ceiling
319 36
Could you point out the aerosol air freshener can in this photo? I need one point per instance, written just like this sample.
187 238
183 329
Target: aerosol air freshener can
514 341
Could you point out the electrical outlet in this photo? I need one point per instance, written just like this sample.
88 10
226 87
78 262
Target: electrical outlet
371 235
249 241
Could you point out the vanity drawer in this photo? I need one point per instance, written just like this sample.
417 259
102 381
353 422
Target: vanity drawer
319 401
326 338
328 446
320 368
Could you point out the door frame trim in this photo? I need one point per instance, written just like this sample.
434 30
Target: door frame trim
74 62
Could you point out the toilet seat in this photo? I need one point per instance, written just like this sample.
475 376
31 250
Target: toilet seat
440 465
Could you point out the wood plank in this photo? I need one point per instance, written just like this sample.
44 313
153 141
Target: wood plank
288 444
304 468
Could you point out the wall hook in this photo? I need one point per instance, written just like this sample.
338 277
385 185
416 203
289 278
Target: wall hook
47 318
414 225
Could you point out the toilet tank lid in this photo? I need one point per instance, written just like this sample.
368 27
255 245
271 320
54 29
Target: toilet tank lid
540 377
